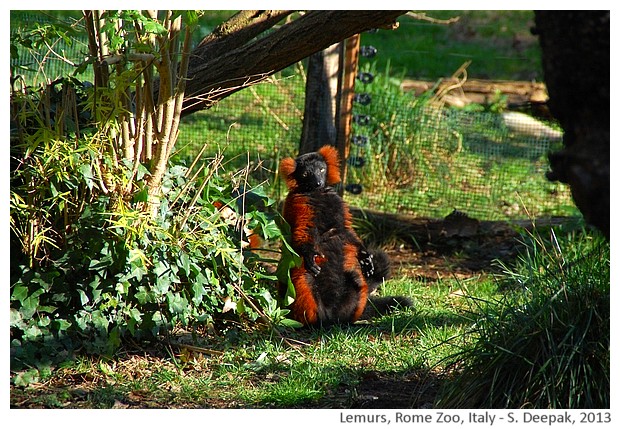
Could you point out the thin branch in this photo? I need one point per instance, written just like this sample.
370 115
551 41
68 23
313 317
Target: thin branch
422 17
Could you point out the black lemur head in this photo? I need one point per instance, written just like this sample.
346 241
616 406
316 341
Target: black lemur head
310 172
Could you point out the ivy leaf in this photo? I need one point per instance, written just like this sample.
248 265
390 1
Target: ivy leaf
16 317
32 332
162 285
185 262
60 325
29 307
83 297
199 292
141 196
19 293
25 378
178 304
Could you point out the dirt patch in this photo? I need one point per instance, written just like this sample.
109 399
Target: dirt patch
455 247
387 390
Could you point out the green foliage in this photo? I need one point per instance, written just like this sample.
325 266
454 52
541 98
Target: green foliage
33 37
90 266
545 345
119 273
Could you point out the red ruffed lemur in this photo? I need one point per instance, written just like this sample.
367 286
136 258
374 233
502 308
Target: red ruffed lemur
338 273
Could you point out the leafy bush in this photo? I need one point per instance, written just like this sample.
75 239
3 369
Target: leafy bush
547 344
109 239
90 267
122 273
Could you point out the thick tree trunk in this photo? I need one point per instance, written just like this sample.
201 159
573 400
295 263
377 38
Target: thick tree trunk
319 126
576 61
227 63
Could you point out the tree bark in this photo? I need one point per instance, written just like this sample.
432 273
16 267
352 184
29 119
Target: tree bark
319 125
238 30
213 77
576 62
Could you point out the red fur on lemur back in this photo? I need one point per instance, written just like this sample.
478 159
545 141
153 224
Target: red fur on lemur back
301 214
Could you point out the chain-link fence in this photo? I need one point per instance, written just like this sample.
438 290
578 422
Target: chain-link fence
408 154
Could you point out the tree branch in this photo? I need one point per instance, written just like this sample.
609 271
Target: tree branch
238 30
211 78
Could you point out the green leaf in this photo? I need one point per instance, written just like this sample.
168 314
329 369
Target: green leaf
192 17
122 287
142 171
154 27
100 321
29 307
135 314
60 325
177 303
288 260
15 317
47 309
199 292
270 231
19 293
25 378
160 268
141 196
290 323
87 174
83 297
32 332
97 264
162 285
185 262
44 321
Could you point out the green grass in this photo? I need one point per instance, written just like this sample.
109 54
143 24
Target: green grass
297 370
268 372
419 160
498 43
545 344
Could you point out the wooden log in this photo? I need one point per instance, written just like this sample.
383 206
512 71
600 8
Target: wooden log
481 91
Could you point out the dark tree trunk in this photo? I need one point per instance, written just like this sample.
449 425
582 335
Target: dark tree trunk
319 126
234 58
576 62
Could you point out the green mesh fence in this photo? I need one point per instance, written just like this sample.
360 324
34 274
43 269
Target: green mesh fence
408 155
424 160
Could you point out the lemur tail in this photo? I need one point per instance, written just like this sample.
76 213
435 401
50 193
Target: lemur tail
382 305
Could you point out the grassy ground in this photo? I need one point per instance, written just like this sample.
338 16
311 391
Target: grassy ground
399 361
499 44
305 368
